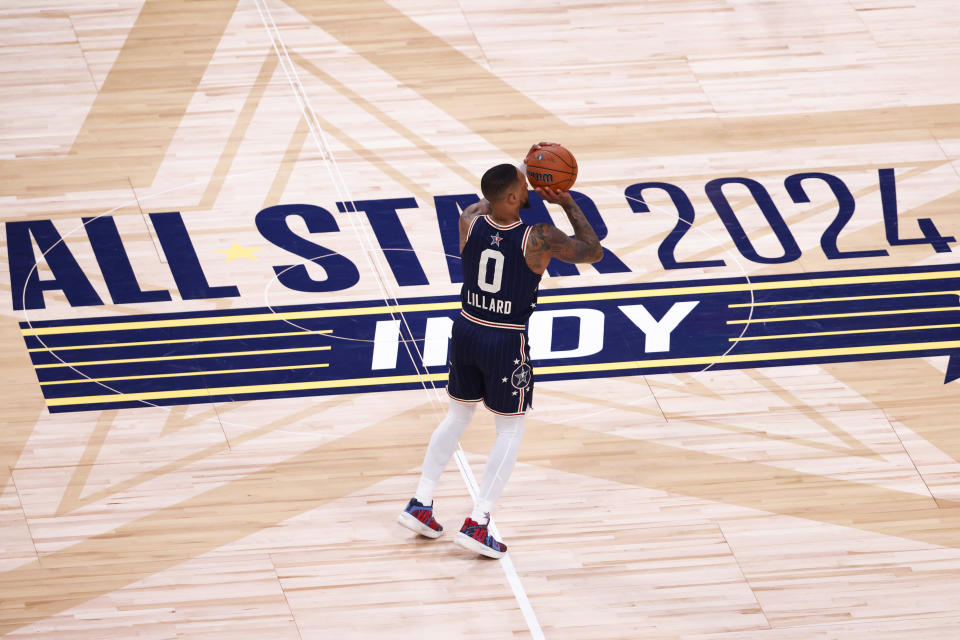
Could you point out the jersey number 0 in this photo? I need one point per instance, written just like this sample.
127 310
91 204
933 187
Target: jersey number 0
485 258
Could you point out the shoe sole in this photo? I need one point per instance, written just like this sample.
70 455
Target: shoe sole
468 543
408 521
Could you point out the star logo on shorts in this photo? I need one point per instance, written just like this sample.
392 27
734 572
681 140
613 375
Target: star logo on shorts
496 238
504 380
520 379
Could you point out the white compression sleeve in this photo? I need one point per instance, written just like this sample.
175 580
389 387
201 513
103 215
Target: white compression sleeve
443 443
500 464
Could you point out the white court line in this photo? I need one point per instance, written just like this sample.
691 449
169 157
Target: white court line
367 243
339 182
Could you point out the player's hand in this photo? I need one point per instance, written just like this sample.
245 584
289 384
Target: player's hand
540 145
554 196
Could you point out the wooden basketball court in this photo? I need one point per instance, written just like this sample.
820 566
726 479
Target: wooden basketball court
228 233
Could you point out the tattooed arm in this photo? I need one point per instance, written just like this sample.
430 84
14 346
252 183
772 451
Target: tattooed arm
472 212
546 241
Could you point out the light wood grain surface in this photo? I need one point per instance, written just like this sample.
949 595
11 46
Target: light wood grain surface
782 503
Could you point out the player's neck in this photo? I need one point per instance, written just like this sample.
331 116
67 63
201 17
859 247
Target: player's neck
504 215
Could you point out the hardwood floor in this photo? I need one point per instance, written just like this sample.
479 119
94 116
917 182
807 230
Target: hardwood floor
230 231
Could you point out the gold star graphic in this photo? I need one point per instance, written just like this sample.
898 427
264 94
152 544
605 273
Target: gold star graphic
237 251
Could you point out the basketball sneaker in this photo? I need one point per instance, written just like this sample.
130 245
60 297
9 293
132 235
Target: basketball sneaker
419 518
474 537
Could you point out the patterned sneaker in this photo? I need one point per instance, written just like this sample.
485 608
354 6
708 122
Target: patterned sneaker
419 518
474 537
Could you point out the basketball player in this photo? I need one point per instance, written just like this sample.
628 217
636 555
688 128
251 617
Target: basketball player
503 260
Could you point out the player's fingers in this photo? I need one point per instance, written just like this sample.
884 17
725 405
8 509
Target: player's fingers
551 194
543 193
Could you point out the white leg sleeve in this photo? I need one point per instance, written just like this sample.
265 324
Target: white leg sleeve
443 443
500 463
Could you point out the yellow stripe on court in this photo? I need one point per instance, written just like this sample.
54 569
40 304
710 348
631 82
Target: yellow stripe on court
861 314
847 332
249 317
749 286
187 373
256 388
447 306
183 357
815 300
437 377
110 345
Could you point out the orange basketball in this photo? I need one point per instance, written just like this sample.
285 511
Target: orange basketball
552 167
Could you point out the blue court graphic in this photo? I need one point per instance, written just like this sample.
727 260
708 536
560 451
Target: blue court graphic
593 332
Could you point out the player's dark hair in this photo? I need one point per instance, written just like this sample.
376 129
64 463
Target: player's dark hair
497 180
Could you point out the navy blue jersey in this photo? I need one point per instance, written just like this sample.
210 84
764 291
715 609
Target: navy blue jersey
499 289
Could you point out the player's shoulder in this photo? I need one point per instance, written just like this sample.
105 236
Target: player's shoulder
471 214
543 236
475 210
